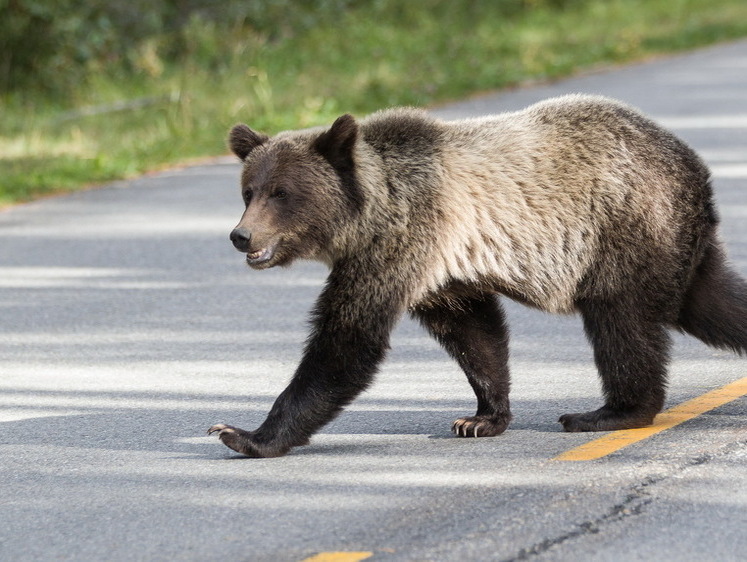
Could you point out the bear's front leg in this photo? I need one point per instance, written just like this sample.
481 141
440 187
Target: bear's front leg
351 326
472 329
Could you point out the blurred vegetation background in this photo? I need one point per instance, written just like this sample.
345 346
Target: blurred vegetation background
103 89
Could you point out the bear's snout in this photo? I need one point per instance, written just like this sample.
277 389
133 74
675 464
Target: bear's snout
241 239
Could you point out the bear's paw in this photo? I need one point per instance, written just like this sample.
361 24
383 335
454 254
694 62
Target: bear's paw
480 426
607 419
243 442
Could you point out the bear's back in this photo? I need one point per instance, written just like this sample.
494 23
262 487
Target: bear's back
534 200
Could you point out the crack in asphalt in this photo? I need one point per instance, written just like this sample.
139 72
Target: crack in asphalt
633 504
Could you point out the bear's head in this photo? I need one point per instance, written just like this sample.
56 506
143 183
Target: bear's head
299 189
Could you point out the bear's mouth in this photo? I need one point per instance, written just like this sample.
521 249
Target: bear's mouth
260 257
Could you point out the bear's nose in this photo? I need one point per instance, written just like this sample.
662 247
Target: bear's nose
241 238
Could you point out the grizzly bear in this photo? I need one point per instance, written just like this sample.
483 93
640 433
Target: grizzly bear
576 204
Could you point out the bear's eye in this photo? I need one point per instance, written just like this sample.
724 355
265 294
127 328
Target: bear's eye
247 195
279 194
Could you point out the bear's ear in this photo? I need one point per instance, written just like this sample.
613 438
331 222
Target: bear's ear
242 140
336 144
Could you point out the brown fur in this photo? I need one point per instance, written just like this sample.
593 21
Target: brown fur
575 204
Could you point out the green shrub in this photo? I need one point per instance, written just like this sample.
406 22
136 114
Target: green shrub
100 89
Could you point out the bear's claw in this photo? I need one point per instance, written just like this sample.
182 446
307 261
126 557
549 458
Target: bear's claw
238 440
219 427
479 426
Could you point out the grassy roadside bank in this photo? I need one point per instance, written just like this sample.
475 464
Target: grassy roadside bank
118 122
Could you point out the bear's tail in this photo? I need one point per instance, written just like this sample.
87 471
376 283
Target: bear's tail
715 306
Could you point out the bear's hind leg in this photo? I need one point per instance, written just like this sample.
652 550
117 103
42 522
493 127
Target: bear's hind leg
473 331
631 352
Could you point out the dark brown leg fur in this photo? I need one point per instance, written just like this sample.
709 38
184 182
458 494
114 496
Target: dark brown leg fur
631 353
342 354
473 331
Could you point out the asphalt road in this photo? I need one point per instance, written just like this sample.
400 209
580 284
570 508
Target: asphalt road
128 326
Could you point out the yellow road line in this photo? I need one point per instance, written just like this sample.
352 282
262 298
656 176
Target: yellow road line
339 557
673 416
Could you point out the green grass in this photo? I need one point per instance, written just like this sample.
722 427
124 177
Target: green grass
373 55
